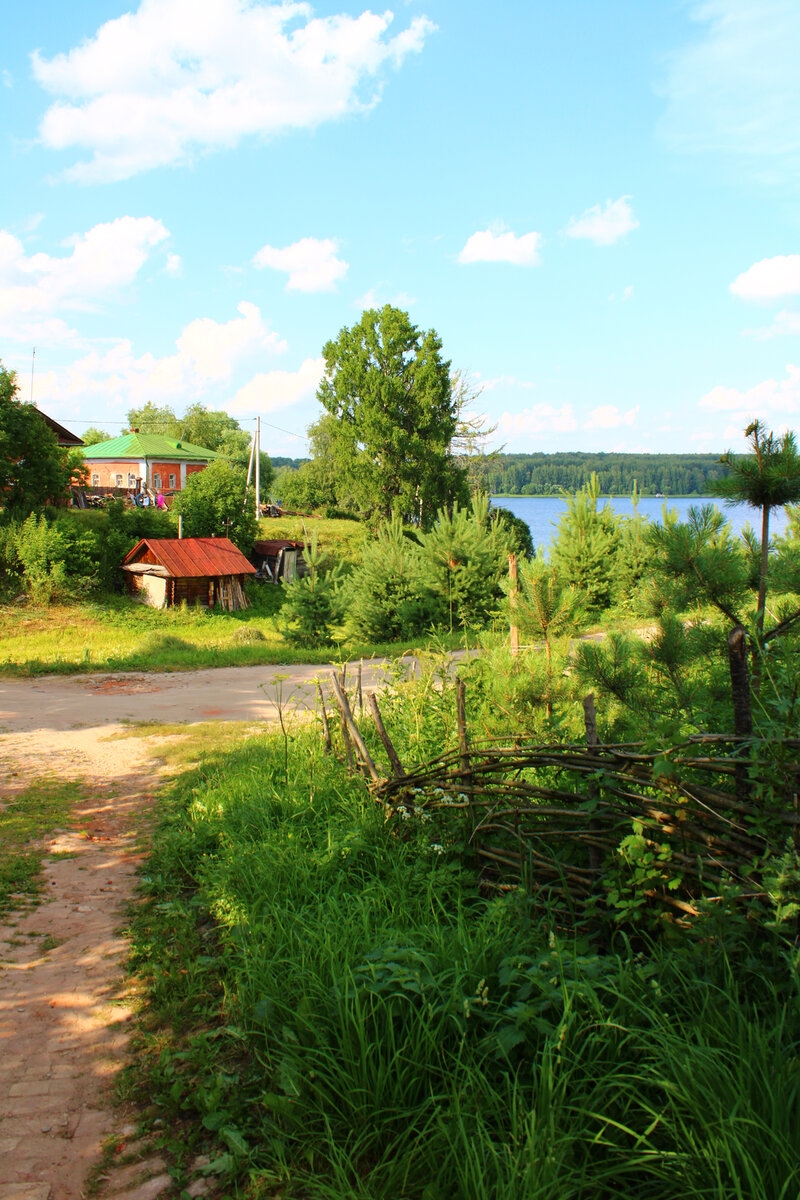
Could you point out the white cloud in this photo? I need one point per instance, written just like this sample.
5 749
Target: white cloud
498 244
604 225
625 294
608 416
736 88
769 279
766 399
375 298
175 78
8 79
503 381
173 264
311 263
541 418
207 353
784 324
273 391
105 260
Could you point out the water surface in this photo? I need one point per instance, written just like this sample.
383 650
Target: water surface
542 513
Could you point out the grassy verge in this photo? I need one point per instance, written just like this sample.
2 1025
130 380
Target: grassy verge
24 820
336 1011
117 634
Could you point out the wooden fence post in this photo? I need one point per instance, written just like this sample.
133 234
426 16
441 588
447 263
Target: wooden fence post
353 731
397 766
325 724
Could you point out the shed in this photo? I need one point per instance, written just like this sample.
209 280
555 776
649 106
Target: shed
166 571
280 559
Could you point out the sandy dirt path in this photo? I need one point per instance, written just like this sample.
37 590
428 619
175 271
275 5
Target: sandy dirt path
64 1012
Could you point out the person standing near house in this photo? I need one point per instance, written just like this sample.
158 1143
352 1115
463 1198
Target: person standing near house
160 501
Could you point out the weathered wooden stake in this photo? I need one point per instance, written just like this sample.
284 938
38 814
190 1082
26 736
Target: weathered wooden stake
512 602
325 723
354 733
359 696
397 766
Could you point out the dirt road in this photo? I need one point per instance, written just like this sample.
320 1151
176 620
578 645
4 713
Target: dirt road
222 693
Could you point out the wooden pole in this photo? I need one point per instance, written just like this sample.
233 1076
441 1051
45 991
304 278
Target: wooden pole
353 730
397 766
512 602
326 729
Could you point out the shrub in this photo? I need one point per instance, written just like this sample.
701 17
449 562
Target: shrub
386 598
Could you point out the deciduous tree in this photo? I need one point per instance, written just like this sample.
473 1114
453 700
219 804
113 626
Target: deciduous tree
34 469
390 418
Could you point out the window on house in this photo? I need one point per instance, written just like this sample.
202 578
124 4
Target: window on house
119 480
95 481
157 482
173 482
131 479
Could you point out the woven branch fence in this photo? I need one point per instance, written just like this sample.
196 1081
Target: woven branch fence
589 822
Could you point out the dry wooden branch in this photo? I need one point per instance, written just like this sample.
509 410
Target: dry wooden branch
353 730
375 712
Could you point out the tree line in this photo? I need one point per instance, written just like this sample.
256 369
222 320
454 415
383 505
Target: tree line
551 474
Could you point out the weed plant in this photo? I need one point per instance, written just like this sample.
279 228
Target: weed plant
338 1010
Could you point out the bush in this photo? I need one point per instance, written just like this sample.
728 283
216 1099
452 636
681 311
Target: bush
386 597
310 602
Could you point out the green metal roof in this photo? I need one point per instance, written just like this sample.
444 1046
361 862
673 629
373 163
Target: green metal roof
148 445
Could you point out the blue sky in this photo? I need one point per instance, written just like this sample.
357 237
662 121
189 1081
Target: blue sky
595 205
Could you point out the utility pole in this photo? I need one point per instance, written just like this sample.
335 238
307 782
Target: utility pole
258 467
33 360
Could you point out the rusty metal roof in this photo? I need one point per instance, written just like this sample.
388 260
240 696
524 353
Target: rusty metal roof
192 558
273 545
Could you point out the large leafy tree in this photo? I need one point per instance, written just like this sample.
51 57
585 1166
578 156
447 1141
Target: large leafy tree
34 469
390 418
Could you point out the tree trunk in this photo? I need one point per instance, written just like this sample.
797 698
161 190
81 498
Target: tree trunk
762 575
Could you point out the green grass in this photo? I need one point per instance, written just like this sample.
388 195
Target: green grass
341 539
336 1011
115 633
43 806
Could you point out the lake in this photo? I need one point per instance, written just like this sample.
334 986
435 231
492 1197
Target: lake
542 513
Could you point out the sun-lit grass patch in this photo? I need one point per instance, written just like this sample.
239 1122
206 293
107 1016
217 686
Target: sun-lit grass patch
25 819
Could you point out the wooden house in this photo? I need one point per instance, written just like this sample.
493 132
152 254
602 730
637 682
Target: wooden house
201 570
135 459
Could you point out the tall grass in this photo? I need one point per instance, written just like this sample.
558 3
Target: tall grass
341 1011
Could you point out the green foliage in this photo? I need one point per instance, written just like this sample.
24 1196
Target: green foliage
213 504
618 474
40 551
585 546
93 436
34 469
310 601
515 532
24 820
336 1011
385 598
463 558
390 417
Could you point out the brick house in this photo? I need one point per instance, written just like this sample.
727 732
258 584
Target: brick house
161 463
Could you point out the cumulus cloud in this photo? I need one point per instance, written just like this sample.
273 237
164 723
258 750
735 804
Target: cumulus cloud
273 391
157 86
206 355
768 399
785 323
604 225
498 244
540 418
105 260
735 88
311 264
608 416
769 279
376 298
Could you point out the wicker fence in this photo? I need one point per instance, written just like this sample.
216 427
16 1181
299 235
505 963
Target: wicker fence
617 824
